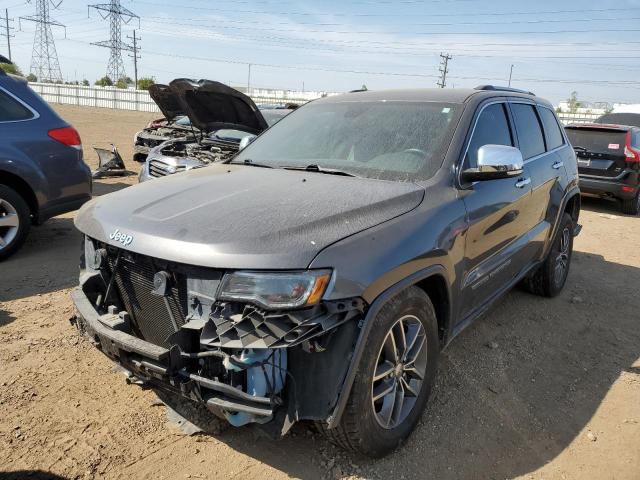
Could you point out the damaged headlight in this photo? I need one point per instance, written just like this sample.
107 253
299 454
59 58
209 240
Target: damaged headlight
275 290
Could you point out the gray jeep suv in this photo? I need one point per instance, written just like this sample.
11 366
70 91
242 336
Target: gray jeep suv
318 274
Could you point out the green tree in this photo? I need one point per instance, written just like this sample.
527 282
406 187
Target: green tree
10 68
104 82
85 82
32 78
145 82
574 103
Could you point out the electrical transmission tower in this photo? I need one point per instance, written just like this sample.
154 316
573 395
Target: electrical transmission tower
117 15
444 69
44 58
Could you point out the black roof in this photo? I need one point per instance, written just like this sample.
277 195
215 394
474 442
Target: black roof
630 119
445 95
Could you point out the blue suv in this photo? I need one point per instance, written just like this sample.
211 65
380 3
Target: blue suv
42 173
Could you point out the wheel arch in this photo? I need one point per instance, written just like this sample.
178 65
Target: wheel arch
432 280
18 184
573 205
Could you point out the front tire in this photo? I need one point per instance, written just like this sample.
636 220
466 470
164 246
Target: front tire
394 379
15 221
549 278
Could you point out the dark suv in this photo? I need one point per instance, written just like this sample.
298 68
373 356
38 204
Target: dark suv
609 161
42 173
317 275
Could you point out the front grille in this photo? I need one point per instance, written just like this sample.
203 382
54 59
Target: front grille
150 316
161 169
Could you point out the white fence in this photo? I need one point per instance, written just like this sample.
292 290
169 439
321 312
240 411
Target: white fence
140 100
579 117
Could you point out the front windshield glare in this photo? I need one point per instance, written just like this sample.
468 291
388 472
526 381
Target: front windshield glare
401 141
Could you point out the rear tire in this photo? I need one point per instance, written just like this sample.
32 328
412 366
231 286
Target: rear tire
549 278
15 221
376 426
631 206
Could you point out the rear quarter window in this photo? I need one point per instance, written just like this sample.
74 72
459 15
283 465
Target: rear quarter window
552 131
529 130
11 110
635 138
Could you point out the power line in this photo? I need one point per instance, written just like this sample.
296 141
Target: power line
419 24
222 26
117 14
44 57
444 69
385 15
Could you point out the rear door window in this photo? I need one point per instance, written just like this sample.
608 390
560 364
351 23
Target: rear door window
552 131
492 128
11 110
529 130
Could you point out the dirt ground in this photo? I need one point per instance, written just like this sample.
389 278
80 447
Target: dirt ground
538 388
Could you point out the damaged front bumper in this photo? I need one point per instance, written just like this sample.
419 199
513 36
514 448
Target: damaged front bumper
272 387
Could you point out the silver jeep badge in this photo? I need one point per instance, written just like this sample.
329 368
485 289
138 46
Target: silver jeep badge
121 237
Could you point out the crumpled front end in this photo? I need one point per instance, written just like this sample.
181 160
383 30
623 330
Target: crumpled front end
181 155
149 138
165 323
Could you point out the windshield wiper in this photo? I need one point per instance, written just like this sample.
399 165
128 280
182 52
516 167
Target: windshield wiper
251 163
316 168
582 149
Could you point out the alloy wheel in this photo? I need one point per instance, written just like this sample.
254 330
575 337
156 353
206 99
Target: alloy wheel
9 223
562 258
399 372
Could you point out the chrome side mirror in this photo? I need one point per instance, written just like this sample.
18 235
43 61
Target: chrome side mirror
246 141
495 161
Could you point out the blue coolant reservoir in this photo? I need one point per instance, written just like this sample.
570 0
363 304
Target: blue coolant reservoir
262 381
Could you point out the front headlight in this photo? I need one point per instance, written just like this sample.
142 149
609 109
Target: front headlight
274 290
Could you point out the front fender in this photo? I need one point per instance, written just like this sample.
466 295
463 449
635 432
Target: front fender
365 328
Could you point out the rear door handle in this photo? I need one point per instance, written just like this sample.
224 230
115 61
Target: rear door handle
557 165
523 182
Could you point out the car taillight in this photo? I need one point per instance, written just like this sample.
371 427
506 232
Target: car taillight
67 135
630 153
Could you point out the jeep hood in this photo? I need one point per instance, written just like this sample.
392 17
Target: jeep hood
236 216
213 106
167 101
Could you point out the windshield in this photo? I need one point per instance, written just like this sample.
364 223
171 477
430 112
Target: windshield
401 141
231 135
274 116
183 120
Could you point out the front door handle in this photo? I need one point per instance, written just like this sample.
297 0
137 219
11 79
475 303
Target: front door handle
523 182
558 165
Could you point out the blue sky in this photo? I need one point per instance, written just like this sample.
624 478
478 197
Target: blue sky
556 47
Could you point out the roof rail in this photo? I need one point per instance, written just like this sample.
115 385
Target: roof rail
503 89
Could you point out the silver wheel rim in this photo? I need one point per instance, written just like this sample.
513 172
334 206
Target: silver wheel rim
562 259
399 372
9 223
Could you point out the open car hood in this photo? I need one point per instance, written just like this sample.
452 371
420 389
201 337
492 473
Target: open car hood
167 101
213 106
